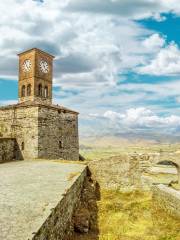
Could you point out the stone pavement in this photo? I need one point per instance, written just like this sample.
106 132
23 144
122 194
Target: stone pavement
28 192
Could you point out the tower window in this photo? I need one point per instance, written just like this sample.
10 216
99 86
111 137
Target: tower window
40 90
46 92
29 90
60 144
23 90
22 146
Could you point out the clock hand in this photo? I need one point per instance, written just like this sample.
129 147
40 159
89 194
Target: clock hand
27 65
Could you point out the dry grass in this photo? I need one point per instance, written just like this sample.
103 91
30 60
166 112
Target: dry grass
132 216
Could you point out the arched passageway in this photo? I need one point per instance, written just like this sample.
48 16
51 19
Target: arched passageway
171 163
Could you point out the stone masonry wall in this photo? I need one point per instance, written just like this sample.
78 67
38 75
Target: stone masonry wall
21 124
119 172
57 134
167 199
7 149
59 224
41 132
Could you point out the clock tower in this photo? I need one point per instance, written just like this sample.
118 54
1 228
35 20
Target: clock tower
35 76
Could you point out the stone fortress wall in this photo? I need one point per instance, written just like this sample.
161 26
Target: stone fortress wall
167 199
57 134
7 149
59 224
41 131
21 124
132 171
119 172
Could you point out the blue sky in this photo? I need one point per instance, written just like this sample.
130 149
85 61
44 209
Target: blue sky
117 62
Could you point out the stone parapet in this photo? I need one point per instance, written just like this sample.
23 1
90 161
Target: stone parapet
167 198
119 172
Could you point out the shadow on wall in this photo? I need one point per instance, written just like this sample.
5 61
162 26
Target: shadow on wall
17 152
9 150
86 216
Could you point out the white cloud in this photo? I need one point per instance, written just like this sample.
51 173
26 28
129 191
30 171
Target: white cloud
134 9
154 41
167 62
92 50
137 122
143 118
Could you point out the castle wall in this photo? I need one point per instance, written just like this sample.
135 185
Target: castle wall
119 172
41 132
58 134
59 224
21 124
167 199
7 149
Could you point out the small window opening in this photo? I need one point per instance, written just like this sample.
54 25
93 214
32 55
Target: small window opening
29 90
60 144
40 90
23 89
22 146
46 92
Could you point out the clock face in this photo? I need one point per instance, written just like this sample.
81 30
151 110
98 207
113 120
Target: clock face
26 65
44 67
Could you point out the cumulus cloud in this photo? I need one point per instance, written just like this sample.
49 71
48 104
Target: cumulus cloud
143 118
167 62
94 42
134 9
136 122
154 41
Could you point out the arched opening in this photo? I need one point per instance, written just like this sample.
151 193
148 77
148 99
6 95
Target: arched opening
40 90
171 164
46 92
167 163
23 91
29 90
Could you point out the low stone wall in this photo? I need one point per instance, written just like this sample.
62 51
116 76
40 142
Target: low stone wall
7 149
59 224
167 198
119 172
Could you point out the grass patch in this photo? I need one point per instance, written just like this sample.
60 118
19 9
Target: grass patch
132 216
96 153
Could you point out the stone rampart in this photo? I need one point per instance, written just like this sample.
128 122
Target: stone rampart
119 172
128 171
59 223
7 149
167 198
44 199
41 131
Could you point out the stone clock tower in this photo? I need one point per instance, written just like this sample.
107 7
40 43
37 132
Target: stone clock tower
35 76
37 127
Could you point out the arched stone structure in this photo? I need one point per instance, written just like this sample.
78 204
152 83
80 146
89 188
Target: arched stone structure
149 160
173 158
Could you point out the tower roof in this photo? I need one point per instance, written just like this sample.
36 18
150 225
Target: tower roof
37 50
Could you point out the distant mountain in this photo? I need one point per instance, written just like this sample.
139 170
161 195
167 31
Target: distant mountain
116 141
